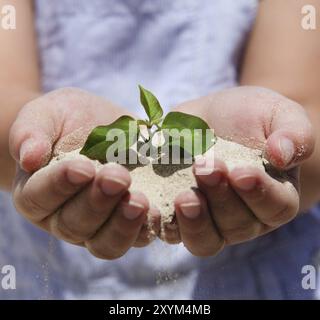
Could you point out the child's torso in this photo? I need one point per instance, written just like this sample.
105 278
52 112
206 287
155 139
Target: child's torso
180 49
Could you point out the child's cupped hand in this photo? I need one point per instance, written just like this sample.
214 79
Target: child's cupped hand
71 200
243 204
76 203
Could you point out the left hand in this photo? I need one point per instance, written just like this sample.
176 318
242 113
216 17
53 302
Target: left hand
237 206
70 199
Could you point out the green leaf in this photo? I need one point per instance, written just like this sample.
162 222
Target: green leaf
151 105
96 145
197 140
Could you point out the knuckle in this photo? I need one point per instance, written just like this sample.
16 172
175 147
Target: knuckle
93 209
66 231
257 195
208 250
30 207
241 233
197 229
99 206
281 217
122 234
102 253
60 184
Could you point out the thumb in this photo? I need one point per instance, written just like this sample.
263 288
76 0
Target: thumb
32 137
291 138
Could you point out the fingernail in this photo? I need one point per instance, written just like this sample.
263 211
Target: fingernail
246 183
287 150
204 166
190 210
112 186
132 210
199 161
79 175
212 180
25 148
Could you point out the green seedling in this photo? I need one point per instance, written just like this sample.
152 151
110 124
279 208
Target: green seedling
198 140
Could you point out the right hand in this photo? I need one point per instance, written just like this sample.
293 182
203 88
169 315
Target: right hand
70 199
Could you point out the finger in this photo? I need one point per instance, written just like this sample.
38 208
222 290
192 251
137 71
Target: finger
197 230
32 136
120 233
81 217
274 203
234 220
150 229
41 194
290 136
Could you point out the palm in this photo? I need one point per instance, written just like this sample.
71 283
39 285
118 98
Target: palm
71 199
246 202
